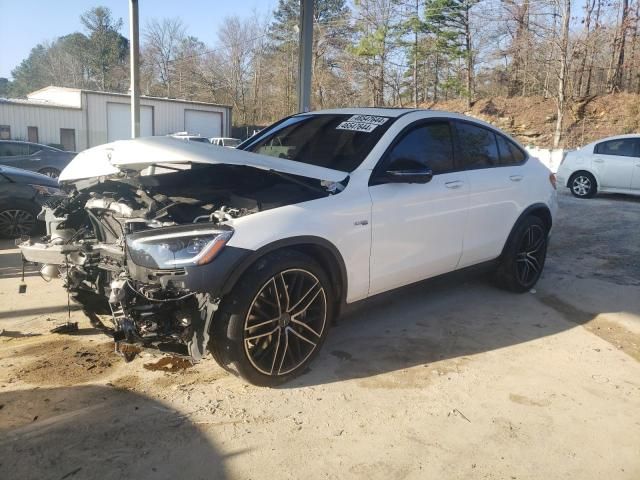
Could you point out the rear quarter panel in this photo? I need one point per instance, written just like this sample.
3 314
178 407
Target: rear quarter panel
578 160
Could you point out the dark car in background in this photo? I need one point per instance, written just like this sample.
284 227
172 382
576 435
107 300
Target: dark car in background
22 194
39 158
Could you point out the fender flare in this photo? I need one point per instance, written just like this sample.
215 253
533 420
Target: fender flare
536 207
291 242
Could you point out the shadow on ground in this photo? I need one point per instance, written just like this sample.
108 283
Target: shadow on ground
94 432
439 324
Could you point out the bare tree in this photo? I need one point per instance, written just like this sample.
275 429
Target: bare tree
562 74
615 80
162 41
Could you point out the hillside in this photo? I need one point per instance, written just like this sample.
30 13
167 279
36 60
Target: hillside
532 119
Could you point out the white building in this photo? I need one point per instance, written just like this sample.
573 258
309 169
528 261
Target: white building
79 119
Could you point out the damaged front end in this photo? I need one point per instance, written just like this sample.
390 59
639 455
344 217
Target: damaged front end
140 250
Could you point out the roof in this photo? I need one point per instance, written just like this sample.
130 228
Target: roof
33 102
31 143
398 112
383 112
616 137
98 92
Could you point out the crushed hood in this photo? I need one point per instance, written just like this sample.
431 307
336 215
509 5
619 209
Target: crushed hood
140 153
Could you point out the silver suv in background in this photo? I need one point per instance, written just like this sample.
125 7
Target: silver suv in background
39 158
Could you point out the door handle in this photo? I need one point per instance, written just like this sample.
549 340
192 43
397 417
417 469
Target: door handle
516 178
454 184
599 160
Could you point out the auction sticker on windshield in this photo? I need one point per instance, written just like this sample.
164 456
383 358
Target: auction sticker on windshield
362 123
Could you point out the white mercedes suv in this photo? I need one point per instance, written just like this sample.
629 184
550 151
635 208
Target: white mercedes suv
251 252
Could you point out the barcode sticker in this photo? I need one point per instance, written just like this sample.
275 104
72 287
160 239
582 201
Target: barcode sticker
362 123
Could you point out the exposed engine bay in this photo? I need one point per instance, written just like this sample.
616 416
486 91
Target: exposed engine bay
135 248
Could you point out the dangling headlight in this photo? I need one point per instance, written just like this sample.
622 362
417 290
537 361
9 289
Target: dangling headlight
175 247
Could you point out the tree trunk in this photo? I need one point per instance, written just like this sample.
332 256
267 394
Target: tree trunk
593 51
634 68
564 54
615 83
467 40
585 52
415 56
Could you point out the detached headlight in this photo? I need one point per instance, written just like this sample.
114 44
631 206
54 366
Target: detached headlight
177 246
47 191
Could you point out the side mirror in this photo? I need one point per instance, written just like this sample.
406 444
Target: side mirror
408 171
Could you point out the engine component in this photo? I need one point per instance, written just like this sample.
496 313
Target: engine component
48 272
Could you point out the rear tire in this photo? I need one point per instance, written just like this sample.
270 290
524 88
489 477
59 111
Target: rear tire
523 259
583 185
275 320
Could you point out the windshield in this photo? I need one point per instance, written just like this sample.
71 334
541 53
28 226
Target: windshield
339 142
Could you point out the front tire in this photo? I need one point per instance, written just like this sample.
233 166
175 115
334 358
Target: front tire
274 321
50 172
17 219
523 259
583 185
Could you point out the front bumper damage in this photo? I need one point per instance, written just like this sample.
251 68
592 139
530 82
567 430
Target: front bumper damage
169 310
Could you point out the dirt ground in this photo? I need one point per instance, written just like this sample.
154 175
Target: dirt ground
448 379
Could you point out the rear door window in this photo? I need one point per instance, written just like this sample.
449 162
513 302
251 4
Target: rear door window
11 149
35 148
622 147
510 153
477 146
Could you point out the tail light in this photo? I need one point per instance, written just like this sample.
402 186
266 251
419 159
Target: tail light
553 181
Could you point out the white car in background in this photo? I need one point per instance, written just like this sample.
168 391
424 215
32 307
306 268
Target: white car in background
189 138
226 142
608 165
251 253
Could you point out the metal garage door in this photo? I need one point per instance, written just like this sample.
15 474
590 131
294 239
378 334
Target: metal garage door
205 124
119 121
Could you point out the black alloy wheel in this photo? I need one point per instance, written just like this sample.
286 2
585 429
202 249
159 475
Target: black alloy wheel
15 222
285 322
274 320
531 254
50 172
523 258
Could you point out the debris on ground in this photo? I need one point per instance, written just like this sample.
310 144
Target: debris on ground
65 328
169 364
127 350
457 412
65 362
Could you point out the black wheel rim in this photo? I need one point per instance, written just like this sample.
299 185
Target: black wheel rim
530 256
16 222
50 172
581 185
285 322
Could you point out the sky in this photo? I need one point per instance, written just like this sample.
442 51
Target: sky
25 23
